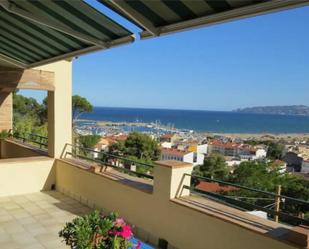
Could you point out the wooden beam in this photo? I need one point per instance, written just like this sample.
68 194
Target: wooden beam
15 78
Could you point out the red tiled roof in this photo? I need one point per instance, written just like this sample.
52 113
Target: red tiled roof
215 187
115 138
175 152
167 136
231 145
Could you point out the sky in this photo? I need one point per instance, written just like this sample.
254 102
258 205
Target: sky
256 61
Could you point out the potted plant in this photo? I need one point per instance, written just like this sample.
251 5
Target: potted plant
98 231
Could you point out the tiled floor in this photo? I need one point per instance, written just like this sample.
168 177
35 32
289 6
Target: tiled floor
34 220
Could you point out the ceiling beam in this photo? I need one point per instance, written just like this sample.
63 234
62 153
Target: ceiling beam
231 15
11 7
15 78
134 15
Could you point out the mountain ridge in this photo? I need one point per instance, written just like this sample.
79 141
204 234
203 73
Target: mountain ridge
300 110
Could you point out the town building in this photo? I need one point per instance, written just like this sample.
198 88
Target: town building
232 149
178 155
170 138
293 161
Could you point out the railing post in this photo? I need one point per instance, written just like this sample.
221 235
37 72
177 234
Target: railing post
277 202
170 177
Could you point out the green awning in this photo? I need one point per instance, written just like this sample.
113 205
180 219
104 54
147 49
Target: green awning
35 32
157 17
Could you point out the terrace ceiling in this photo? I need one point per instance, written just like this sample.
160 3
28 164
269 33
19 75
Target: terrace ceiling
159 17
34 33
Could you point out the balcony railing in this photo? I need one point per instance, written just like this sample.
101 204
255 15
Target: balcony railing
104 159
32 139
278 207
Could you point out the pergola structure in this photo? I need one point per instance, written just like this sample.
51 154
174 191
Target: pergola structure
38 39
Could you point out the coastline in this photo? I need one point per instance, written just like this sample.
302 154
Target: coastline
244 136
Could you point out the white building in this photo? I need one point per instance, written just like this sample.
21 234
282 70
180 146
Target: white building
178 155
260 153
202 148
166 145
198 159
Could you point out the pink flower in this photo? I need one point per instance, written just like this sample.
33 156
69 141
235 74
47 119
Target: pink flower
138 245
126 232
120 222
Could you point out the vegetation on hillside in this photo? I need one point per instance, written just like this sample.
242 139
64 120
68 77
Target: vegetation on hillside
259 175
274 149
30 116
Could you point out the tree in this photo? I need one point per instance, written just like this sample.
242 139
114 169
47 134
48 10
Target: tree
275 150
118 148
256 174
263 176
137 145
89 141
142 146
80 105
29 116
214 166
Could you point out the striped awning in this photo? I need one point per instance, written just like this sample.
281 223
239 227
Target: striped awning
35 32
157 17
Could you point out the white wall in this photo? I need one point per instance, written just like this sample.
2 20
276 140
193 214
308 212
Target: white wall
260 153
166 145
305 167
188 158
202 148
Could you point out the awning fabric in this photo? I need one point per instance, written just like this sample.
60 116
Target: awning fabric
37 32
157 17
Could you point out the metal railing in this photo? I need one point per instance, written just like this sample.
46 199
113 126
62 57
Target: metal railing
278 207
32 139
104 159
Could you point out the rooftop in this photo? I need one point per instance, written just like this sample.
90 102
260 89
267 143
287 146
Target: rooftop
173 151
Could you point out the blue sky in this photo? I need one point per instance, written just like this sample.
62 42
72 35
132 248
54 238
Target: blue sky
256 61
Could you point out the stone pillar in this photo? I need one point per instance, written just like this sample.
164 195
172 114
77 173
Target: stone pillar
169 179
59 107
6 111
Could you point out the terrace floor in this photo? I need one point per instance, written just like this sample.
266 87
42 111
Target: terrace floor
34 220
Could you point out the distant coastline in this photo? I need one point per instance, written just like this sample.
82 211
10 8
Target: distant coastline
205 121
298 110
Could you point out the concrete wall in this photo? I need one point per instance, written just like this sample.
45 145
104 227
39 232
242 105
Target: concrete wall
155 215
26 175
12 149
6 111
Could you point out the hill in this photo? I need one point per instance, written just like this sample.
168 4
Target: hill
280 110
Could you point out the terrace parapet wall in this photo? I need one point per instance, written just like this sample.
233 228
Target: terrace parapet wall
168 212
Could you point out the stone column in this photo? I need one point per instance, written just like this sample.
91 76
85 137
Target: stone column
6 111
169 179
59 107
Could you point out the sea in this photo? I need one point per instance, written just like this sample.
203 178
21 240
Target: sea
205 121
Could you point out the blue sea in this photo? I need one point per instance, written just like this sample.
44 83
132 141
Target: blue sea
205 121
